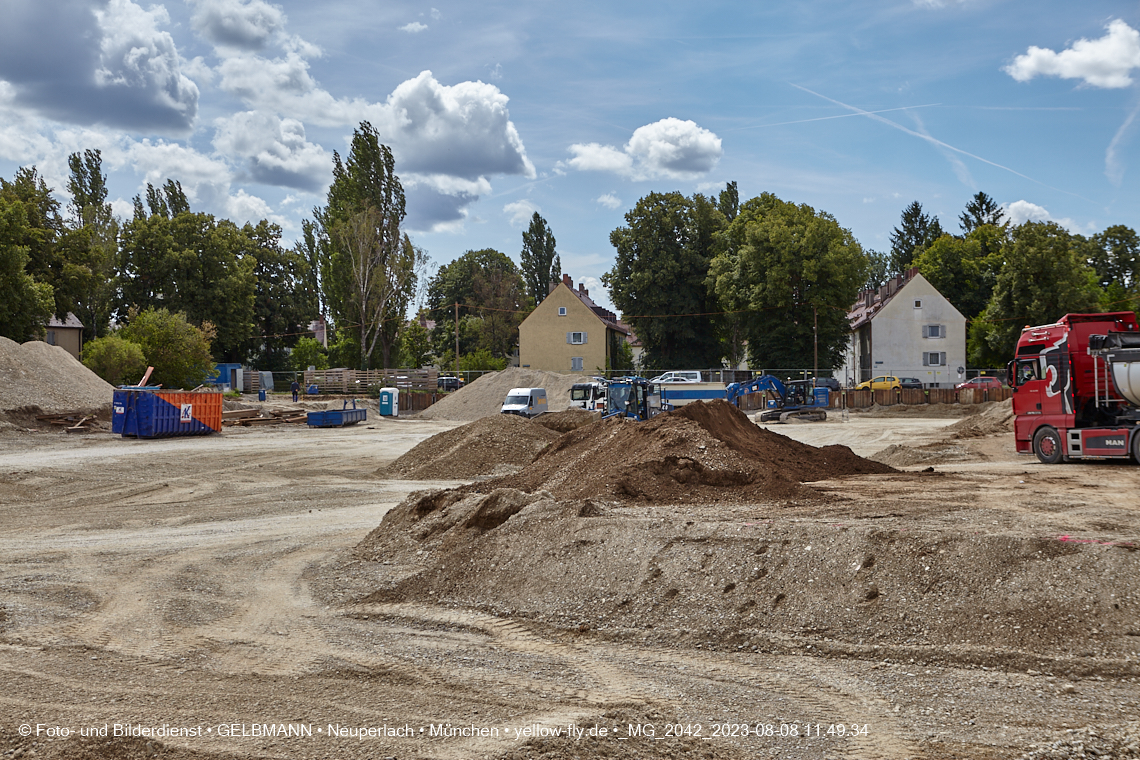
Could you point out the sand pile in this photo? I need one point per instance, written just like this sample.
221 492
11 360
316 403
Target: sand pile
36 375
704 452
496 445
485 395
1121 742
997 417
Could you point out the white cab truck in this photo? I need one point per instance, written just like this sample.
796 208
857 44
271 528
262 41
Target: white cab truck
590 396
525 402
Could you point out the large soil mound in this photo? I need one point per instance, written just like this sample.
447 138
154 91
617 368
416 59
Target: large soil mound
493 445
485 395
36 375
707 452
996 417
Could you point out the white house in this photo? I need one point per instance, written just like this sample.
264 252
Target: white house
906 328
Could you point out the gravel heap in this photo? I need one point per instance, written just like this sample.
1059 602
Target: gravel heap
997 417
707 452
36 375
498 444
567 420
485 395
1116 742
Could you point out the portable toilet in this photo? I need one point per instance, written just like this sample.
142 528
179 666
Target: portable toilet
389 402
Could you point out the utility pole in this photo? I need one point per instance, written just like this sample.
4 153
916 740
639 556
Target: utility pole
457 339
815 337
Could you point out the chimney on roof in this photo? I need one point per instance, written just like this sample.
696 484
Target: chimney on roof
911 272
582 289
567 281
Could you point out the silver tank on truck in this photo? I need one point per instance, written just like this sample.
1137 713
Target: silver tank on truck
1121 351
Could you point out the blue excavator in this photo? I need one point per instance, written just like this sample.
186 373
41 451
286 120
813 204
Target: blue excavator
635 398
795 400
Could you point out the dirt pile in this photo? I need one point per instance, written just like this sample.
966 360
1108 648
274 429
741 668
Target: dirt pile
901 455
997 417
1117 742
485 395
36 375
495 445
703 452
764 580
567 420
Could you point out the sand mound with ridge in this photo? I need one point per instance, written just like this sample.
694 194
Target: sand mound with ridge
38 376
484 396
492 445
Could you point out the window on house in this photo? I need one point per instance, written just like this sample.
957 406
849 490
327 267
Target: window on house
934 358
576 364
576 338
51 337
918 303
562 311
934 331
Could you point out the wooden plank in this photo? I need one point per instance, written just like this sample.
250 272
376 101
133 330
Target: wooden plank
239 414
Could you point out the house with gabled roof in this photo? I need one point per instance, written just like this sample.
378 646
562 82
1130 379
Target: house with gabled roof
906 328
569 333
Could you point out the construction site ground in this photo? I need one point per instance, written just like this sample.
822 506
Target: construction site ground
205 597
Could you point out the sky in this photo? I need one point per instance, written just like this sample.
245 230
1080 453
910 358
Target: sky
496 110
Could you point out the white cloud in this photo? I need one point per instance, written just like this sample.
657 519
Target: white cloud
1020 212
1105 62
435 14
669 148
413 28
136 54
609 200
241 24
520 212
283 85
276 149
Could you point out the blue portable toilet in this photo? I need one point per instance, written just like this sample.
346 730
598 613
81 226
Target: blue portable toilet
389 402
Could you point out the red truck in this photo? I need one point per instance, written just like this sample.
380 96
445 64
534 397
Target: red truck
1076 388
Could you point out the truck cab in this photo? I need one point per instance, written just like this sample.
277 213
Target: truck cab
1066 380
589 396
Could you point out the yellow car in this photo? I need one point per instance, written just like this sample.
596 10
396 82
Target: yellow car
881 383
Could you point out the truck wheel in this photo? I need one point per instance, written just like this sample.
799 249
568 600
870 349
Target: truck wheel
1047 445
1136 445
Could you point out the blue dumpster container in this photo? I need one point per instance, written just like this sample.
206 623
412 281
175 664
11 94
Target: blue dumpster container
150 412
337 417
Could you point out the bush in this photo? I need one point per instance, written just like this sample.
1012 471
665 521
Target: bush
481 360
179 351
309 353
115 359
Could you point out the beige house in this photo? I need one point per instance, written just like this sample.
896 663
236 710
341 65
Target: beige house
67 334
569 333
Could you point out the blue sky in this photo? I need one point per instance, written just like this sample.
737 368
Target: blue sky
496 110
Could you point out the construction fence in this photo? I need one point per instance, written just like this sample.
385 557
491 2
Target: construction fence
912 396
358 381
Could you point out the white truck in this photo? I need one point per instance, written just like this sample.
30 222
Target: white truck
525 402
590 396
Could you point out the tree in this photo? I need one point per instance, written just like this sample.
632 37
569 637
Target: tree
878 269
915 233
1044 277
91 245
540 264
283 306
658 279
492 296
39 234
963 269
728 202
194 264
799 271
178 351
1115 256
309 353
115 359
982 209
25 305
415 346
367 267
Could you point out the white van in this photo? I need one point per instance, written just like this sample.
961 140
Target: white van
679 376
526 402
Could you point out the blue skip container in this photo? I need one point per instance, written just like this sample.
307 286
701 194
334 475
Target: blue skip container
150 412
338 417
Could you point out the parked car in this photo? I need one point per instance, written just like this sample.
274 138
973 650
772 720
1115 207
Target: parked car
678 376
828 382
448 383
881 383
982 381
910 382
